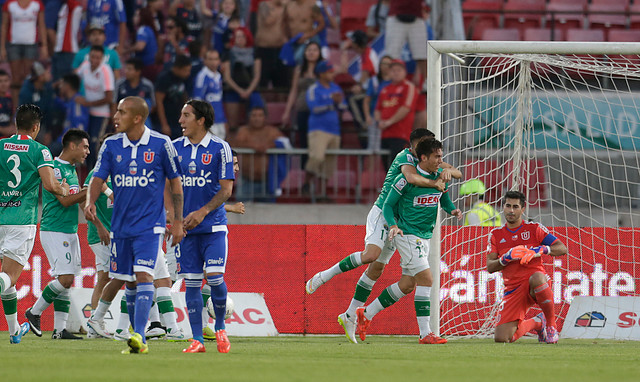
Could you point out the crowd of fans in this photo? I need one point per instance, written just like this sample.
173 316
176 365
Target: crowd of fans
76 59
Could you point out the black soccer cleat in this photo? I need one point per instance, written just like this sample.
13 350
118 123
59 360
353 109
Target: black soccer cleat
34 322
64 335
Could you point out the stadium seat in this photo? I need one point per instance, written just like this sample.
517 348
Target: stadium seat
598 19
533 176
495 34
523 14
353 15
569 15
622 35
490 173
371 184
623 2
274 113
634 19
480 15
542 34
596 35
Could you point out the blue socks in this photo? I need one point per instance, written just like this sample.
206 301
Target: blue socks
143 301
193 297
219 299
130 296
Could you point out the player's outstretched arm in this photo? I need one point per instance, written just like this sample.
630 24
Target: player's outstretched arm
50 183
412 176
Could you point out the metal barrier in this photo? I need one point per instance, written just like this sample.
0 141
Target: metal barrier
278 175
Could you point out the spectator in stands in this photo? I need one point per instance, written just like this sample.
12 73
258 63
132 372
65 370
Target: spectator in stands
221 19
329 22
186 11
405 24
196 54
66 41
374 86
22 26
76 116
302 19
254 10
208 87
134 84
256 179
395 111
7 128
303 77
325 99
51 21
172 91
37 89
376 18
97 36
156 8
176 42
146 46
241 72
269 40
111 16
99 84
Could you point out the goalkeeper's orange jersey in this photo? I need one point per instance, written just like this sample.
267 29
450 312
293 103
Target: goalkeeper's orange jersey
528 234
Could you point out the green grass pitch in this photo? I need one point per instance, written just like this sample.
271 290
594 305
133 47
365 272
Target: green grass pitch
319 358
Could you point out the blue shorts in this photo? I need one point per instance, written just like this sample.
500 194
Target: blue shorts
134 254
198 251
255 99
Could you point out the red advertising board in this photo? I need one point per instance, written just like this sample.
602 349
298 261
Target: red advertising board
276 260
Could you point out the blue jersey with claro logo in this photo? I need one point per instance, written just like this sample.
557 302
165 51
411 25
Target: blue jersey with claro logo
138 171
202 167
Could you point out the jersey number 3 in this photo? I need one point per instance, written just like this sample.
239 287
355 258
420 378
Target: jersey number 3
15 170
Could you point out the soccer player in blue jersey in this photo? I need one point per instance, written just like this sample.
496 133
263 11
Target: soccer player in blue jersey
138 161
208 87
206 163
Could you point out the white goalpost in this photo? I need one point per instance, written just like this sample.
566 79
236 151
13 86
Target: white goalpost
559 121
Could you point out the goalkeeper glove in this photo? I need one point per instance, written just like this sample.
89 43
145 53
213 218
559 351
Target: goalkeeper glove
542 249
514 253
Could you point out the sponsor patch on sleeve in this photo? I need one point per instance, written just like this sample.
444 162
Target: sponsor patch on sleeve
400 184
57 174
46 154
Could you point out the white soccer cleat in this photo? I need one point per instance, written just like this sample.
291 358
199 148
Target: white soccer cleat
97 326
121 335
314 283
155 331
349 327
176 336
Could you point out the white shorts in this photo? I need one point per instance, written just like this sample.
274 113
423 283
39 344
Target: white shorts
103 256
161 271
414 254
63 252
16 242
397 34
172 263
218 129
378 234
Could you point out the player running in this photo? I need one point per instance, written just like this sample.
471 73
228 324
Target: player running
24 163
59 236
416 209
138 161
378 250
207 167
515 249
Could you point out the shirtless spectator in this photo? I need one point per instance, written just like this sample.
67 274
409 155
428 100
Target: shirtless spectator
269 40
304 18
259 136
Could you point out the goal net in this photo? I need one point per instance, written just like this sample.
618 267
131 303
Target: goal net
561 123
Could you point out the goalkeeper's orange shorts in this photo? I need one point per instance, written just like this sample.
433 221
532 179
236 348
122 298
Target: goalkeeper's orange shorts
516 303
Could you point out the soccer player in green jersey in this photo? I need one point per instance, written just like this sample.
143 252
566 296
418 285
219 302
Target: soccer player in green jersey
24 163
59 236
416 210
378 250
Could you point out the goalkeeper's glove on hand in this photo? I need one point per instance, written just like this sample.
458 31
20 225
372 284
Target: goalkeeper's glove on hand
542 249
514 253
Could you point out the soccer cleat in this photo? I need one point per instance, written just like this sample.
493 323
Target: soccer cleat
64 335
552 335
349 327
121 335
362 322
195 347
137 345
22 330
208 334
156 330
223 341
98 327
177 336
314 283
34 322
91 334
542 333
432 339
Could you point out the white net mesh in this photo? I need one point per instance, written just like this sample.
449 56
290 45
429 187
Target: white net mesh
565 130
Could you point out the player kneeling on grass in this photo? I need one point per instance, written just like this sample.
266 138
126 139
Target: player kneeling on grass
417 213
515 249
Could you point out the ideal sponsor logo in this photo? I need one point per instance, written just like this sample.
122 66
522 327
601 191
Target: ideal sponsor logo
428 200
591 320
196 181
16 147
122 180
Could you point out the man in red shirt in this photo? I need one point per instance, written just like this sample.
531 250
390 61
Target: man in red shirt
515 249
395 111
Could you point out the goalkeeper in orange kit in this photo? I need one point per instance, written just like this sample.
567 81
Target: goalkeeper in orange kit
515 249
